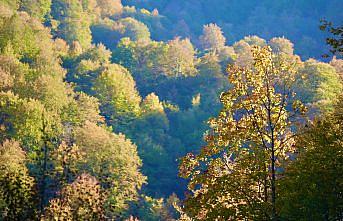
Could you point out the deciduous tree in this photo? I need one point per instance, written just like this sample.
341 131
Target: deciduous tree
114 161
117 93
16 185
212 37
281 45
318 84
80 200
234 176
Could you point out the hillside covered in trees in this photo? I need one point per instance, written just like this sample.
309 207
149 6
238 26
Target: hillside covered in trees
171 110
295 20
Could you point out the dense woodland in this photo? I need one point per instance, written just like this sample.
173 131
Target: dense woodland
171 110
297 20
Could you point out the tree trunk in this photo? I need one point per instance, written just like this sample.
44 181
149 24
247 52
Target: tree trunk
44 169
274 216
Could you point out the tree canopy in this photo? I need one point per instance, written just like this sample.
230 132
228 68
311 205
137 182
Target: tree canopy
104 103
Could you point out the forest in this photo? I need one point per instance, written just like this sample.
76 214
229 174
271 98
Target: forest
142 110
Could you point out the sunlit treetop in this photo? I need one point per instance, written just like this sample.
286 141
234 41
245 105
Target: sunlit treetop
151 103
255 40
252 135
212 37
110 7
281 45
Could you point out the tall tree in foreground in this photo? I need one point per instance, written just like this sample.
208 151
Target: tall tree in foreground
234 176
